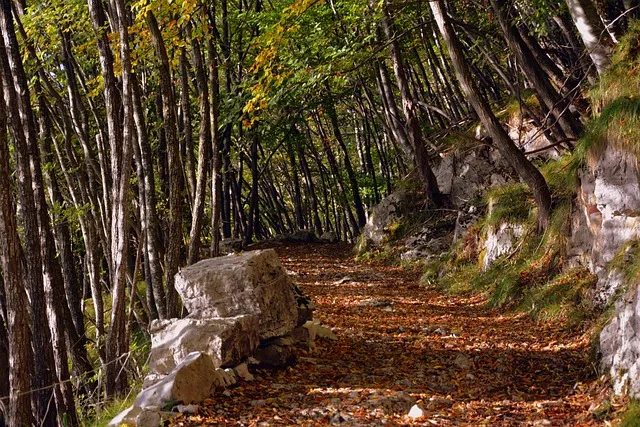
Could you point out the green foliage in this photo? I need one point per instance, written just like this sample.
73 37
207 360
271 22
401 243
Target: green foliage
510 203
631 417
106 412
616 103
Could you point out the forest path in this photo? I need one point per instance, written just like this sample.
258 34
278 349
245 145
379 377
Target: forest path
397 341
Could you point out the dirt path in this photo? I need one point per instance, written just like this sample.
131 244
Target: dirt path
399 342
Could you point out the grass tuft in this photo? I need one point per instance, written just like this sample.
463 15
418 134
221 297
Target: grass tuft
631 417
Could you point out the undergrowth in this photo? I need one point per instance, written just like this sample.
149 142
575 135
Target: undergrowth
631 417
532 278
615 103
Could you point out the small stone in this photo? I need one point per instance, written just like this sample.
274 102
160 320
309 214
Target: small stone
415 412
242 371
187 409
462 362
340 418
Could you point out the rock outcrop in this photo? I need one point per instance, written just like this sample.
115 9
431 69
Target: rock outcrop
609 203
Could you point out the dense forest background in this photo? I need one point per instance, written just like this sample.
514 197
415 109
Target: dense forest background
136 136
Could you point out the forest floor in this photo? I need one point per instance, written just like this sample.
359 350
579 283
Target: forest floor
399 342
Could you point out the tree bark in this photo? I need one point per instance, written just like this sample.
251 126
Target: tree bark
17 317
175 170
204 139
593 33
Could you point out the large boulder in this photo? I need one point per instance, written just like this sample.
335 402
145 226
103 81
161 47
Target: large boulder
227 341
191 381
250 283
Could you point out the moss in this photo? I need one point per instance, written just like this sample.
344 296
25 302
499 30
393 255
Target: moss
562 298
510 203
513 109
631 417
615 103
627 261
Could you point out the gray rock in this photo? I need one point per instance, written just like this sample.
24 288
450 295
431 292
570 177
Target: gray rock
190 382
248 283
416 412
383 214
329 237
467 175
500 241
226 341
273 355
228 246
127 417
242 371
317 330
607 217
620 345
148 418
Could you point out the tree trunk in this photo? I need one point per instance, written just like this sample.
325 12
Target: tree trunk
527 171
353 182
548 96
203 153
20 353
17 97
420 154
208 16
175 170
148 212
593 33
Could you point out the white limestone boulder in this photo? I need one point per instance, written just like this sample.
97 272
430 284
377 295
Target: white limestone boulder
226 341
249 283
191 381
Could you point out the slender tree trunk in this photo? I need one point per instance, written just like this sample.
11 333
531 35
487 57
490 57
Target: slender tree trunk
208 16
187 128
353 182
17 97
549 97
175 170
148 215
593 33
420 154
17 317
204 151
527 171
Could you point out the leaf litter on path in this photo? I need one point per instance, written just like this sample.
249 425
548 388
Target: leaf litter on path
402 348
